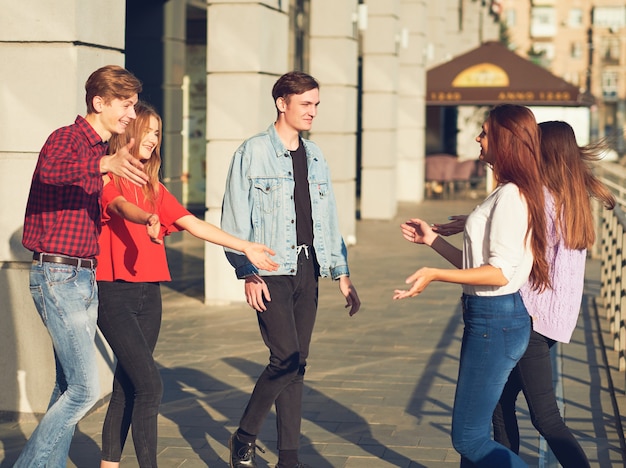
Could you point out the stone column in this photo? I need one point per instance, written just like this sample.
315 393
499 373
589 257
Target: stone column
174 52
380 110
334 55
411 131
48 50
246 52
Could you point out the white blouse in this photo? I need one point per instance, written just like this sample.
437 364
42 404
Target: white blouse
494 235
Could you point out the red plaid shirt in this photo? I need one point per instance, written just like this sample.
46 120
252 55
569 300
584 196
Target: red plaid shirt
63 210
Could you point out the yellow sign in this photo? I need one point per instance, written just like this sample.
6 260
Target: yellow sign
445 96
505 96
483 75
543 96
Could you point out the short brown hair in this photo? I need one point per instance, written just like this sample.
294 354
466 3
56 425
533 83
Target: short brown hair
110 82
294 82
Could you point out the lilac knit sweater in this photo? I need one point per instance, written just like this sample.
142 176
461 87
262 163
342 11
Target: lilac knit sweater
555 311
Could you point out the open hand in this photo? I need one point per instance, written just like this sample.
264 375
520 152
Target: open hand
420 279
418 231
258 256
123 164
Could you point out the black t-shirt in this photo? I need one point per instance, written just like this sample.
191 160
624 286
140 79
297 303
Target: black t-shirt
302 198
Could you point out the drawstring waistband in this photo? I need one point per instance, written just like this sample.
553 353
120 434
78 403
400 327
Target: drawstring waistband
302 247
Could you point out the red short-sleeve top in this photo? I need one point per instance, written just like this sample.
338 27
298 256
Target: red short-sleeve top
126 251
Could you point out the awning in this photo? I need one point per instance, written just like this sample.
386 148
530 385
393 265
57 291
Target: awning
492 74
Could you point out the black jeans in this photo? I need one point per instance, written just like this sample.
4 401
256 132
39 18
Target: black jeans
129 317
533 376
286 327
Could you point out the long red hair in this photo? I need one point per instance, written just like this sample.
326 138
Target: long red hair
514 140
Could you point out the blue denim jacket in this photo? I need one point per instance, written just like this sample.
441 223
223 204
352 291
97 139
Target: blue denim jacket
259 206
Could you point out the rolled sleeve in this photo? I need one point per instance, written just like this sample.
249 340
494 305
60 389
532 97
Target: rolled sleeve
509 224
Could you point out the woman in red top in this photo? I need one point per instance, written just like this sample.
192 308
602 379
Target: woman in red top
131 266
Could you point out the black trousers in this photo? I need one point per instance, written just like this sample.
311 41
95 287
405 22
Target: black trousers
286 327
129 317
533 377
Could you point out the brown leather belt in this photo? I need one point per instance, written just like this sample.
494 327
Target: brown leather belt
74 261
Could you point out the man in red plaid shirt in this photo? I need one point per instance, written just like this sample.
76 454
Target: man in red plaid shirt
61 227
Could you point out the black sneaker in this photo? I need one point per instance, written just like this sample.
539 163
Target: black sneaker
242 454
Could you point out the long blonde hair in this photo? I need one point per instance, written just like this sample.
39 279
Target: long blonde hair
136 129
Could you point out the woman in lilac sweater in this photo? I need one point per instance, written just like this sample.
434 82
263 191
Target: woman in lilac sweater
569 184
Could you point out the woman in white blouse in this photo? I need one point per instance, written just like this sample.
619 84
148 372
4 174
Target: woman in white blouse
503 247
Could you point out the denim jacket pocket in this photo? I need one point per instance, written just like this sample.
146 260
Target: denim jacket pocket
322 190
267 193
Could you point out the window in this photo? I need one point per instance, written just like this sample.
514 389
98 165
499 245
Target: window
610 50
542 54
543 22
510 18
609 85
544 48
609 17
572 77
575 18
576 50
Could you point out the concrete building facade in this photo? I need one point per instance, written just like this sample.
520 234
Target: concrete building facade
209 66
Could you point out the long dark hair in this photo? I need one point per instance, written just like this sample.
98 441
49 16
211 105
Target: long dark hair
568 175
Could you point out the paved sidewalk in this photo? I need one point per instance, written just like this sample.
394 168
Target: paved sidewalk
379 386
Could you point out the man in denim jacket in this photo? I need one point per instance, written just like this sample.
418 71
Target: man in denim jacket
279 192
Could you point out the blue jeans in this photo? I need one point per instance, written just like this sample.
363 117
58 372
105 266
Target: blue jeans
130 319
66 298
495 337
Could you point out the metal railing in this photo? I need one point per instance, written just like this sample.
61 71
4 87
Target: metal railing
613 278
610 249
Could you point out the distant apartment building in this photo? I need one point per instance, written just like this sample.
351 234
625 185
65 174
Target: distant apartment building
583 42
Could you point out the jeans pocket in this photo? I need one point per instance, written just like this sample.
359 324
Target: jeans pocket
59 274
516 338
36 292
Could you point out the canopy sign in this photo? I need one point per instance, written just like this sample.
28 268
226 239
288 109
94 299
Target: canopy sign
491 74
